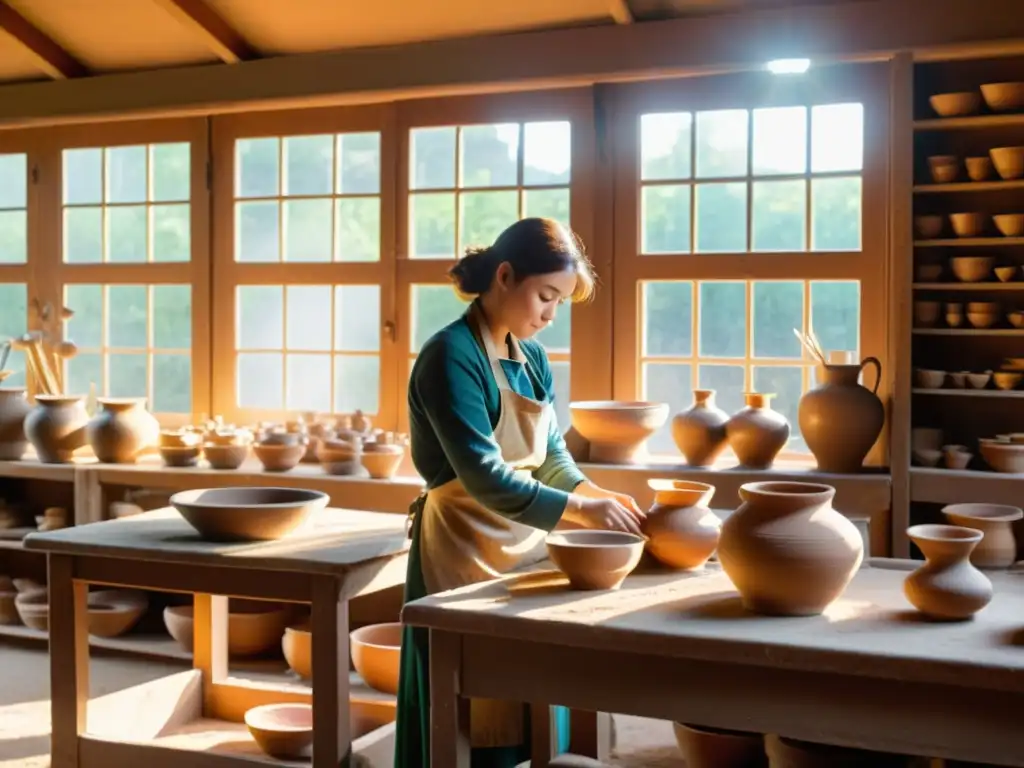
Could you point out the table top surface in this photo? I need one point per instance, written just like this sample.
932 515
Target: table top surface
870 630
333 542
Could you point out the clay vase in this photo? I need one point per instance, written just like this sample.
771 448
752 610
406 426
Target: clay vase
998 548
756 433
121 429
699 431
13 410
840 419
681 531
718 748
947 587
56 427
787 551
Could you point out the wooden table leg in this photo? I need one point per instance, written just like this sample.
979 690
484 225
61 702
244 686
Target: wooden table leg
69 661
449 711
210 646
543 735
332 740
591 734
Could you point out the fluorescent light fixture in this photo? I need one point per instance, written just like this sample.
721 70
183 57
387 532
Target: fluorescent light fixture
788 66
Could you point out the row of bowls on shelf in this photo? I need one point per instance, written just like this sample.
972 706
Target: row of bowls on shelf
968 269
1006 379
972 224
999 97
1003 453
980 314
1008 163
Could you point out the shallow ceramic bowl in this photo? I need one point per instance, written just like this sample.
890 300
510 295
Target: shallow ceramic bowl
247 514
955 104
979 380
1009 161
957 379
595 559
617 430
376 651
381 460
1003 97
927 457
944 168
982 319
33 607
1006 380
226 456
1009 224
112 612
990 307
1003 456
978 168
1006 274
968 224
283 731
972 269
964 514
278 457
928 227
254 627
928 379
174 456
297 646
926 313
957 457
1016 318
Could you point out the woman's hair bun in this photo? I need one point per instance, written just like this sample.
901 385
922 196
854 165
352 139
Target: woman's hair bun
473 273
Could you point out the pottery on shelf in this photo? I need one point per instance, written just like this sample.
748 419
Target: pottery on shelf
279 457
791 753
704 747
56 427
593 559
786 550
297 647
121 429
376 651
617 431
381 460
682 532
254 626
180 456
282 731
33 606
112 612
840 419
756 433
247 514
14 408
339 456
948 586
699 431
998 548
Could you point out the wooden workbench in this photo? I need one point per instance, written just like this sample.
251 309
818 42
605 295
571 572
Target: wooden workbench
868 673
341 554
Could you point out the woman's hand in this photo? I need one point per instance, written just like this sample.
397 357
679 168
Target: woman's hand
593 507
591 491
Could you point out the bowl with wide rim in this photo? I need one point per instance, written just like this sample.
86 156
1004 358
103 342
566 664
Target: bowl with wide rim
247 513
593 559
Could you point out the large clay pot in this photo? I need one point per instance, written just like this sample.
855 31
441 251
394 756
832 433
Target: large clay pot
757 433
681 531
13 410
786 550
121 429
998 548
947 587
56 427
840 419
699 431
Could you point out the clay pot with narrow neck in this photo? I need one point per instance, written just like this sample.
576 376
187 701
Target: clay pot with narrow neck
947 587
787 551
756 433
998 548
121 429
56 427
14 408
699 431
682 532
840 419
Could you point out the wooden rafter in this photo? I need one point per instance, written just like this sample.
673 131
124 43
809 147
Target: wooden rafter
216 33
45 53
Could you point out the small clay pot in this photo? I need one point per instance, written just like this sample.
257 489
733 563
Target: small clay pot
757 433
13 410
122 429
681 531
376 652
277 457
699 431
948 586
56 427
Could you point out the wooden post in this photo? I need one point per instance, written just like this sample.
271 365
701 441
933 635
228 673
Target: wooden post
69 661
332 739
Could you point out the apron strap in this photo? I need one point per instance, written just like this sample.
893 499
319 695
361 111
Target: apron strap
415 510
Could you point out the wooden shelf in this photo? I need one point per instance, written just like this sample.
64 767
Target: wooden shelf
971 242
968 331
158 646
1015 285
954 486
969 186
969 122
1011 393
32 469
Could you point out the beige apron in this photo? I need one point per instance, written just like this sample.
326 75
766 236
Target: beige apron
461 542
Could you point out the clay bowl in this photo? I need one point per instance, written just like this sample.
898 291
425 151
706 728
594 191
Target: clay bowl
279 458
254 627
956 457
283 731
180 456
297 646
929 273
972 269
982 319
179 438
968 224
1003 97
927 457
615 430
247 514
1002 456
283 438
978 168
927 379
339 457
704 747
112 612
226 456
957 378
595 559
1007 380
979 380
382 460
376 652
1009 224
955 104
790 753
928 227
1015 318
8 610
1009 161
1006 274
926 313
33 607
944 168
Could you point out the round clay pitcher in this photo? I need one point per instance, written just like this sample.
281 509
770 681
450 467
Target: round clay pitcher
121 429
840 419
13 410
786 550
757 433
699 431
681 531
947 587
56 427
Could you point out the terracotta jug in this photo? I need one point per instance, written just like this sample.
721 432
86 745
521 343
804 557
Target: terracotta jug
756 433
786 550
56 427
121 429
998 548
681 531
840 419
13 410
947 587
699 431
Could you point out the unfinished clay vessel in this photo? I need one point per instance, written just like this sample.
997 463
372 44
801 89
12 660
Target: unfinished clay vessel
376 650
757 433
704 747
247 514
56 427
122 429
617 431
786 550
381 460
595 559
297 646
998 548
947 586
681 531
254 626
283 731
112 612
277 457
13 410
840 419
699 431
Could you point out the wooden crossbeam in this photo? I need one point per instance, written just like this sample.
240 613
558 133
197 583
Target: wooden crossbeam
219 36
44 52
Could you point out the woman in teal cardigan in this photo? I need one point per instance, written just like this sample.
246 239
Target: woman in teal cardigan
485 440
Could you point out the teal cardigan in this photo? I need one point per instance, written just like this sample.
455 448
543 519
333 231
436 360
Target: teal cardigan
453 409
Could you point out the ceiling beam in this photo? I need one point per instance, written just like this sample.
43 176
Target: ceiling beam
44 52
620 11
204 22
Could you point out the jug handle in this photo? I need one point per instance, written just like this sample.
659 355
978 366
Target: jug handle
878 371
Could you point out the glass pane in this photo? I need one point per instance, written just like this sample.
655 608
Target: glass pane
722 143
171 172
356 383
560 380
14 173
126 234
260 313
665 219
723 320
722 217
547 153
836 214
83 235
82 372
257 167
778 309
490 155
172 316
547 203
85 328
432 218
837 137
665 146
780 140
83 176
357 318
13 237
172 384
780 215
433 307
126 375
358 229
257 234
786 382
308 165
484 215
432 158
309 383
126 175
835 314
309 318
260 380
172 233
728 383
307 230
557 336
359 163
13 323
127 315
670 383
667 318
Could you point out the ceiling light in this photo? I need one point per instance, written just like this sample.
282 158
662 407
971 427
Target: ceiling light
788 66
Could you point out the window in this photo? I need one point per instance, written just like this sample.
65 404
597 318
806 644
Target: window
13 313
13 258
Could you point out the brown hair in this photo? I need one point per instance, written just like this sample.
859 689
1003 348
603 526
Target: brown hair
532 246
